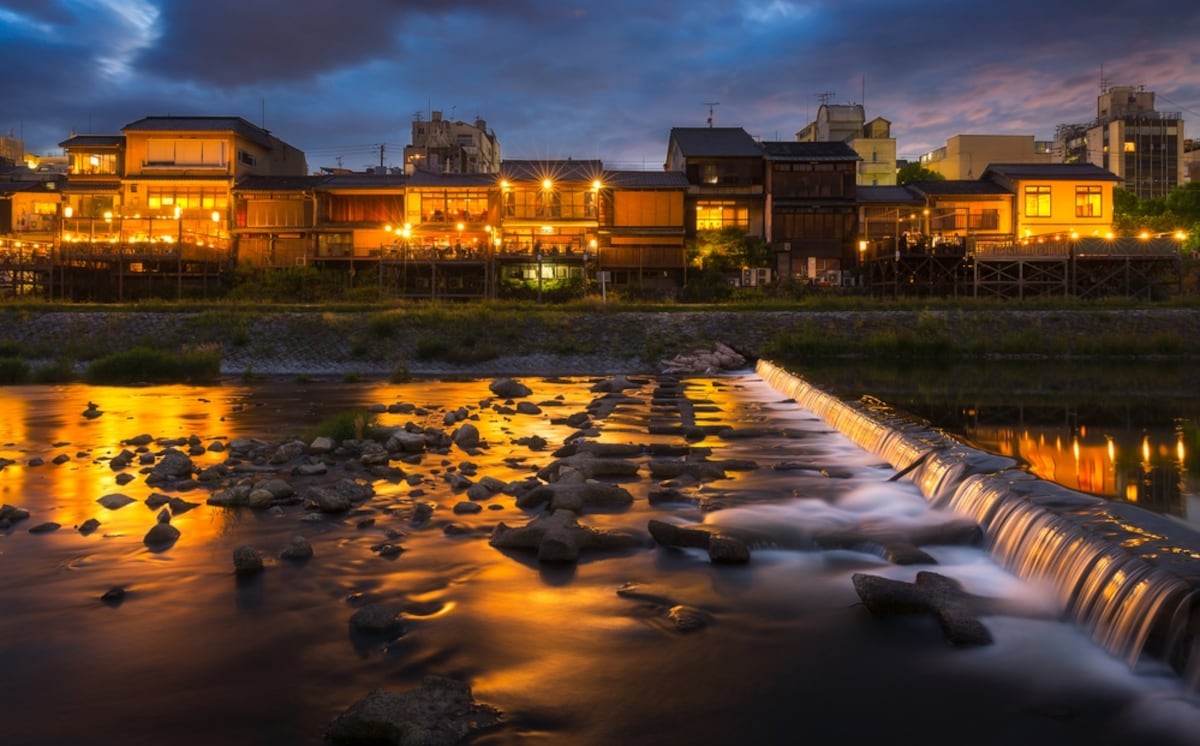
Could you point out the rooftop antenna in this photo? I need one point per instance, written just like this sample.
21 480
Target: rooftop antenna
824 97
711 105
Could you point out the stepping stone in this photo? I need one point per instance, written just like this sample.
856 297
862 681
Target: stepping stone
931 593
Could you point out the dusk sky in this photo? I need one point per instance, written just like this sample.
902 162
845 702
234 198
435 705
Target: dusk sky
338 78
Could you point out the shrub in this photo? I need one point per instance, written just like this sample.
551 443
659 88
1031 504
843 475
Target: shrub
13 371
60 371
353 424
201 364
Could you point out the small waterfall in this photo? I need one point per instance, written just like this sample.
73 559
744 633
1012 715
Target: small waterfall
1131 578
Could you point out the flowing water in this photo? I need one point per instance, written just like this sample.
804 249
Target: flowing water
197 655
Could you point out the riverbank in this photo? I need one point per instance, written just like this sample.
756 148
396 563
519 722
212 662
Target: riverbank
485 341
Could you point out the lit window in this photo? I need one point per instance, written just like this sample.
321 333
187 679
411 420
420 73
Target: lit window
1130 147
1087 202
1037 201
713 216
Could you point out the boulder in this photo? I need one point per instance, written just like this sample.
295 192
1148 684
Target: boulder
440 711
507 388
931 593
559 537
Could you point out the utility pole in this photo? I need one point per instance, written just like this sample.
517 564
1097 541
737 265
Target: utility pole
382 148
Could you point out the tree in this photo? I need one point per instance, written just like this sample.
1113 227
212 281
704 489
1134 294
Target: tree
728 250
1184 201
914 171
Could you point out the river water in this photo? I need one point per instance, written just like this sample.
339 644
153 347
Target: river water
197 655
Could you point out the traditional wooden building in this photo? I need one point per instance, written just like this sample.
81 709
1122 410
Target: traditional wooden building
811 195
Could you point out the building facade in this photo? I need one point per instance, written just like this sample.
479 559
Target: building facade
452 147
1130 138
968 156
812 193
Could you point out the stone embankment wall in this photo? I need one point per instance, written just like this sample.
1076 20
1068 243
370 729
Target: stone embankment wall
562 343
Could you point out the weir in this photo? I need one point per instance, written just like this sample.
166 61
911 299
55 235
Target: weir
1128 576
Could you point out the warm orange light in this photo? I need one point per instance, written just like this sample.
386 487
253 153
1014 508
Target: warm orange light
1144 235
547 184
596 185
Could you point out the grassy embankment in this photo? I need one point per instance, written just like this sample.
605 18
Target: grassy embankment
111 344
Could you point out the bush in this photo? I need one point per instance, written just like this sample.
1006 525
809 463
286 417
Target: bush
60 371
13 371
200 364
354 424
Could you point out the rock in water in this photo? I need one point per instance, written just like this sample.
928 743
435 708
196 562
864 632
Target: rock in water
440 711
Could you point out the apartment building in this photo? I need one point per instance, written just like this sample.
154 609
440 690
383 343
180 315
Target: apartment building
872 140
452 147
1130 138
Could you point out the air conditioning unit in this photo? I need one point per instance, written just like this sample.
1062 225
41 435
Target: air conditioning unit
756 276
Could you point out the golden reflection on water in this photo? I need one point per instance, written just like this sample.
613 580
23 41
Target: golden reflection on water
1150 470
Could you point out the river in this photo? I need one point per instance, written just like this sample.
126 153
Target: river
195 654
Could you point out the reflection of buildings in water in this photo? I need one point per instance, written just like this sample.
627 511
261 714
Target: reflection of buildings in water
1147 468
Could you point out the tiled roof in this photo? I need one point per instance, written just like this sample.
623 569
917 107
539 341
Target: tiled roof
645 179
201 124
789 150
334 182
14 187
563 170
93 141
951 187
717 142
278 183
1050 171
428 179
887 195
92 186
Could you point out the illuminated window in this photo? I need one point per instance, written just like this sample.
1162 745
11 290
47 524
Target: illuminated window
713 216
1087 202
1130 147
1037 201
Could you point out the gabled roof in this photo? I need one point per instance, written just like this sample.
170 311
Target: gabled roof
790 150
1050 171
91 142
715 142
202 124
557 170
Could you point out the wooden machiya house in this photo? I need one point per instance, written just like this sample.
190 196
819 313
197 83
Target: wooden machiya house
535 228
811 198
149 212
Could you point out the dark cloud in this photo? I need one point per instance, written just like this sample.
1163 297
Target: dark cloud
585 79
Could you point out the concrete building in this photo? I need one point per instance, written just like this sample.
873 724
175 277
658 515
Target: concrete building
968 156
1130 138
452 147
872 140
12 151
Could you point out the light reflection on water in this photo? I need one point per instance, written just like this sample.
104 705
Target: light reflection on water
1127 431
198 655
